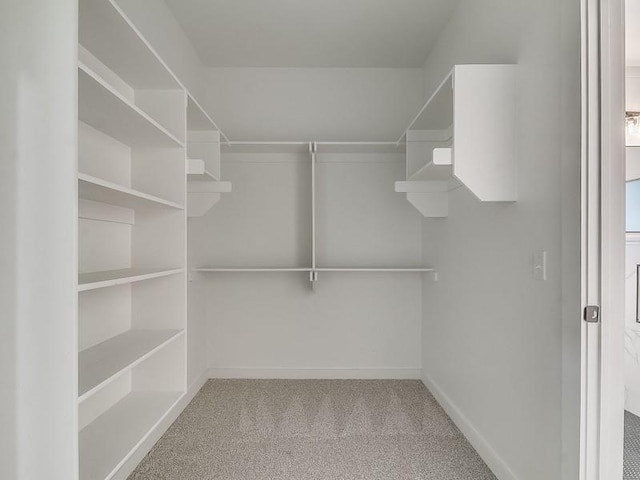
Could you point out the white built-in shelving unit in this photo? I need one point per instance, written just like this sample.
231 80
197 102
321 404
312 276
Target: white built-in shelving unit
314 149
135 122
465 134
150 155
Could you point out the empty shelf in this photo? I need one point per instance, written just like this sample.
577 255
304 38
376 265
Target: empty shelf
197 171
102 107
105 31
251 269
439 168
375 269
110 278
108 441
103 362
98 190
319 269
360 147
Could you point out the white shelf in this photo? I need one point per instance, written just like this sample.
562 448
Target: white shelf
102 363
107 442
376 269
318 269
205 176
110 278
265 147
209 186
360 147
98 190
107 110
300 147
250 269
440 167
479 130
196 171
107 33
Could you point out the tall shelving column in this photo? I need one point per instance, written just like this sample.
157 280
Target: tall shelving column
131 242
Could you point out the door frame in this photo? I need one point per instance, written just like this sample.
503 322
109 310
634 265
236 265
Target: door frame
603 251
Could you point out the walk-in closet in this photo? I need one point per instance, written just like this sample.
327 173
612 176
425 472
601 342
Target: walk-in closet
305 240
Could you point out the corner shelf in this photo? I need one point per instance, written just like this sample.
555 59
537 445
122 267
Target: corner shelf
104 108
111 278
204 187
439 168
196 171
460 136
110 440
100 364
98 190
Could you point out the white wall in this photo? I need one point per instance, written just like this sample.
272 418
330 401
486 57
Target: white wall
272 324
314 103
38 372
494 338
160 28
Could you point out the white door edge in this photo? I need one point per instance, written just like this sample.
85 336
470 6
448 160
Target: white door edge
602 405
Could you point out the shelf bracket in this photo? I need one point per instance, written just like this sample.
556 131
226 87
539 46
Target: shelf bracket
313 278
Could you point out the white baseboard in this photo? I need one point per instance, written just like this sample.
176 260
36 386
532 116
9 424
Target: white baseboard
161 427
497 465
488 454
317 373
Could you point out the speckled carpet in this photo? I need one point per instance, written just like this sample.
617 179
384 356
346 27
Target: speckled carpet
313 429
631 446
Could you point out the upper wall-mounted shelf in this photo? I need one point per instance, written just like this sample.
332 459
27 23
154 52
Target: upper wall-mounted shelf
266 147
107 110
107 33
303 147
359 147
466 132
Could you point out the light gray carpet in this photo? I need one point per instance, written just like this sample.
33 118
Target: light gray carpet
631 446
313 429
